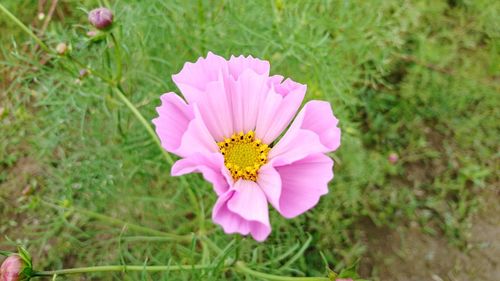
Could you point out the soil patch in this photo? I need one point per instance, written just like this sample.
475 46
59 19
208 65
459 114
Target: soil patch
407 254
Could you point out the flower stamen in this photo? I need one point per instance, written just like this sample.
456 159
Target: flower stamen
244 155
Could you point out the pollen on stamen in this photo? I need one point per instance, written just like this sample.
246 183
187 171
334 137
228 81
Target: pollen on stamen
244 155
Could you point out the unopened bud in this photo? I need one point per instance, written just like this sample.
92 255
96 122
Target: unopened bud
13 269
82 73
393 158
61 48
101 18
91 33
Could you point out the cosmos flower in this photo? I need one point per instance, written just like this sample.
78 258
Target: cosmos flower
231 128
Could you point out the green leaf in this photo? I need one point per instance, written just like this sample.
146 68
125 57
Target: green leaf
5 253
25 256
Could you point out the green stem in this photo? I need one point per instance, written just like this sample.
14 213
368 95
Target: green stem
122 268
25 28
241 267
118 57
121 94
120 223
192 195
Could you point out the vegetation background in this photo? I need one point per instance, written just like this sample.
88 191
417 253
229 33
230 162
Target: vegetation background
417 78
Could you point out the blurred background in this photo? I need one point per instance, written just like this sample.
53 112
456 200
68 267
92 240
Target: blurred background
415 85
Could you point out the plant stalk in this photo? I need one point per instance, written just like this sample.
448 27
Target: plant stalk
238 266
25 29
122 268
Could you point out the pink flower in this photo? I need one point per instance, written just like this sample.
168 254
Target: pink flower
349 279
229 130
11 268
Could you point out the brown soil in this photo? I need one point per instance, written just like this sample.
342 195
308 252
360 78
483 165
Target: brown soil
407 254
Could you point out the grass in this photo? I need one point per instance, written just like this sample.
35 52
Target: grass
418 78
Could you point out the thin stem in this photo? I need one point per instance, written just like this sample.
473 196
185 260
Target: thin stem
241 267
119 91
25 28
118 57
123 268
192 196
120 223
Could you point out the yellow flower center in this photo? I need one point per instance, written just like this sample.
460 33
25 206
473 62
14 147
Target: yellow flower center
244 155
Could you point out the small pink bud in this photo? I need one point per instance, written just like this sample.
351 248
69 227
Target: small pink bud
101 18
393 158
12 269
83 72
348 279
91 33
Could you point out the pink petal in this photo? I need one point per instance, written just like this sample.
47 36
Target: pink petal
270 182
172 122
215 108
237 65
230 222
197 138
243 209
194 77
314 130
210 165
288 86
181 129
303 183
278 109
295 145
318 117
249 201
247 94
275 79
228 93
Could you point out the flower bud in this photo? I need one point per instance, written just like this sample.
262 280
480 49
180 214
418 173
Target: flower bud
101 18
348 279
61 48
13 269
91 33
393 158
82 73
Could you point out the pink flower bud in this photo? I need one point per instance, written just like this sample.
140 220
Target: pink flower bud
83 72
393 158
12 269
91 33
348 279
101 18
